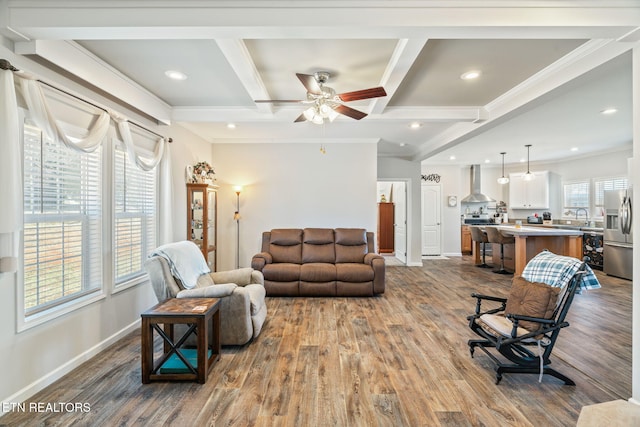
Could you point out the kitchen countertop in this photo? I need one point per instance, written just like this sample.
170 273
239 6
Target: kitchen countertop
584 228
538 231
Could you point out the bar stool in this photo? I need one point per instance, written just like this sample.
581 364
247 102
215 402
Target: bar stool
478 235
495 236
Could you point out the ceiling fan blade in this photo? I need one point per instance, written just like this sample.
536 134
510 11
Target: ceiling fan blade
374 92
350 112
301 118
310 83
276 101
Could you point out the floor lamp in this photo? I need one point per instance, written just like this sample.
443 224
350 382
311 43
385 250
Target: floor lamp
236 218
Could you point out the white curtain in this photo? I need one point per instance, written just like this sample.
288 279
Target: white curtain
125 133
44 119
165 198
11 196
10 174
161 157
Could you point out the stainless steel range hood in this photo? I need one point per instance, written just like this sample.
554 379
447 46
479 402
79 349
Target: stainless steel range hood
476 195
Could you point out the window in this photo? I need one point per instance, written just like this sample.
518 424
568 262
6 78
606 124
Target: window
576 196
589 195
62 222
602 185
135 216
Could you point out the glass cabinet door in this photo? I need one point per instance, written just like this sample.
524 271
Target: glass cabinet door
211 228
201 219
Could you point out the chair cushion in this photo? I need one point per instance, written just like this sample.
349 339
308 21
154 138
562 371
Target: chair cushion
497 324
531 299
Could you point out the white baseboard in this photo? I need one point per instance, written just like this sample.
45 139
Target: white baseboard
458 254
63 370
634 401
414 264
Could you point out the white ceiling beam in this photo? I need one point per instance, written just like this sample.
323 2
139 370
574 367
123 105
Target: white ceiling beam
50 19
288 113
238 56
78 61
403 57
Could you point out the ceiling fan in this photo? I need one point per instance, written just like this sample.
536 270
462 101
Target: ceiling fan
323 100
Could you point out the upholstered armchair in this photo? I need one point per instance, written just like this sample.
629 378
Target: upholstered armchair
242 309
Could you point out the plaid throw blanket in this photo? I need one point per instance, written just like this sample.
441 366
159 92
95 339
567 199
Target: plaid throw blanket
557 270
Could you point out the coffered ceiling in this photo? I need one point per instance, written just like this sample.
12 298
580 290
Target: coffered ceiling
547 69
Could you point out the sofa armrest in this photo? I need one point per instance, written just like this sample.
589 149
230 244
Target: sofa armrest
260 260
214 291
369 257
378 265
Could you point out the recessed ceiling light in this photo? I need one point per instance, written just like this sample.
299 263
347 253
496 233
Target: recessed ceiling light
402 144
415 125
452 157
574 148
175 75
523 160
609 111
231 125
470 75
487 161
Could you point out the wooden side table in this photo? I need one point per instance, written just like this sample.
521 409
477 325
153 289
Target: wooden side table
201 315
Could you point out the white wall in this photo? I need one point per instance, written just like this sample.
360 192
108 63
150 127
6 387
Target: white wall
186 149
291 185
390 168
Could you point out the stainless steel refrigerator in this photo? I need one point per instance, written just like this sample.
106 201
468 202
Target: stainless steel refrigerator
618 236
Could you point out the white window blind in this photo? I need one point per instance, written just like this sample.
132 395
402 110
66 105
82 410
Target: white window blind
602 185
62 222
135 216
576 195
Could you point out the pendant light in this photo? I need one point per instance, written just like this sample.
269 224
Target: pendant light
503 179
528 176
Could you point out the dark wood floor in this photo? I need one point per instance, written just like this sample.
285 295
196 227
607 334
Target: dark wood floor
396 360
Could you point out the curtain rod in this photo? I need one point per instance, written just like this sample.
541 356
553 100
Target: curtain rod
6 65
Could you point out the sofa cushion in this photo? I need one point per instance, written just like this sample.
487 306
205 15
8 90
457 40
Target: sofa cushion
281 272
531 299
351 236
351 245
318 245
318 272
354 272
318 236
286 245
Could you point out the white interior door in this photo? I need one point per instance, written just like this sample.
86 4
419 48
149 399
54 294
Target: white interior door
400 218
431 222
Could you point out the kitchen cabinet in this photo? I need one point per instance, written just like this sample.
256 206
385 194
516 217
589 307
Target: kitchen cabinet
202 218
385 228
532 194
465 240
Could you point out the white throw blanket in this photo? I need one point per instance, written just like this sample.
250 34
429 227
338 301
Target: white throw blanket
185 261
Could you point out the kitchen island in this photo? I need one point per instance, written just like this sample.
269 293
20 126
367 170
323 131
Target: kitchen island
530 241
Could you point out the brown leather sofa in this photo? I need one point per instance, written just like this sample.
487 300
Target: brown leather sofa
320 262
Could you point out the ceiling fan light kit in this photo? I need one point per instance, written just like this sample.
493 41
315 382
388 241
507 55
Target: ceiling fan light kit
326 103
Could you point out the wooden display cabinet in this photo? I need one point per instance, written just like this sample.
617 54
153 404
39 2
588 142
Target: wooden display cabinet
202 206
385 228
